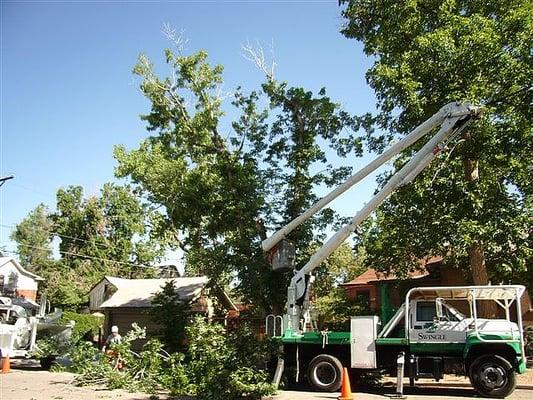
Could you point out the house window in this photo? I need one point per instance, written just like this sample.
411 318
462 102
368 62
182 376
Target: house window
363 296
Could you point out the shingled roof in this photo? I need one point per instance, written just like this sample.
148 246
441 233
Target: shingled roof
371 275
140 292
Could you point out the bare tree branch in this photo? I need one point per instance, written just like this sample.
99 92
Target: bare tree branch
177 39
256 55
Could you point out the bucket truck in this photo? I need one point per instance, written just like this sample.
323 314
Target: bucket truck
429 329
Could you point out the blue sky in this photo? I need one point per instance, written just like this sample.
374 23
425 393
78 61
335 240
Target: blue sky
68 95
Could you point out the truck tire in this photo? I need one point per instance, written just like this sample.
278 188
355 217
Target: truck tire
325 373
492 376
47 362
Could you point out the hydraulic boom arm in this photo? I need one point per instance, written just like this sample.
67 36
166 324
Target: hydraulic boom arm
452 119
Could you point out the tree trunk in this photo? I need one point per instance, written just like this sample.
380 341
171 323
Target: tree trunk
476 252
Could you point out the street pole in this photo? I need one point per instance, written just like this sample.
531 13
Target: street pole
5 178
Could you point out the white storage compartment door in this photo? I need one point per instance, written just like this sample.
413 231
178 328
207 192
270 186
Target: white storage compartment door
363 334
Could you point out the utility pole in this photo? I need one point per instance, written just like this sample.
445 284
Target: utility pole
5 178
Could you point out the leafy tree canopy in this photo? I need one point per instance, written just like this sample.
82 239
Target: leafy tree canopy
98 236
33 236
218 190
473 206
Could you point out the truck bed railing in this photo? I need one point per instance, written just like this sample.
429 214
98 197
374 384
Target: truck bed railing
503 295
274 325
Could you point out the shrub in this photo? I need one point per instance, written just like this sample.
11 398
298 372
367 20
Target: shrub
220 368
336 309
84 324
172 313
528 333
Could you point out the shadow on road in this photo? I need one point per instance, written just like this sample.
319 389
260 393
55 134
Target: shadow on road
388 391
426 392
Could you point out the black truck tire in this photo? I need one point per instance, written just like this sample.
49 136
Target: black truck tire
492 376
325 373
47 362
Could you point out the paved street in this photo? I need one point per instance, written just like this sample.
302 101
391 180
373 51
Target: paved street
28 382
433 393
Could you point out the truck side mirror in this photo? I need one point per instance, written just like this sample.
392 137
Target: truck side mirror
438 307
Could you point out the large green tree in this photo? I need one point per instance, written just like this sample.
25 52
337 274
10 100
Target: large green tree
222 192
110 234
472 206
33 236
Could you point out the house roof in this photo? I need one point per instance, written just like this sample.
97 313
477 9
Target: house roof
140 292
6 260
371 275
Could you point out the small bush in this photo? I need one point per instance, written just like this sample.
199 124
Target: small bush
173 314
528 333
84 324
222 366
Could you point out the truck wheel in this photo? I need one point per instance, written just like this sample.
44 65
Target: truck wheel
46 362
492 376
325 373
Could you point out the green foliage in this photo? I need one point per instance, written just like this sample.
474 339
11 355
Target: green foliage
106 235
336 309
176 379
219 367
341 266
333 307
528 333
33 237
84 324
217 192
172 313
96 368
216 366
51 345
428 53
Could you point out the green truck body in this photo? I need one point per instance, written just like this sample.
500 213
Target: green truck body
438 340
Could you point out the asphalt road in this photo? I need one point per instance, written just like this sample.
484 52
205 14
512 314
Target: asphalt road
433 393
28 382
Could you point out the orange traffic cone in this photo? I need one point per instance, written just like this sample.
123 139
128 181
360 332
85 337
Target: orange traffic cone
6 366
346 389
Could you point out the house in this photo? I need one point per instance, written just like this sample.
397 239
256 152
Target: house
15 281
384 293
125 301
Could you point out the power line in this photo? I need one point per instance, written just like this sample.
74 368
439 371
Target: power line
55 234
70 253
5 178
60 235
